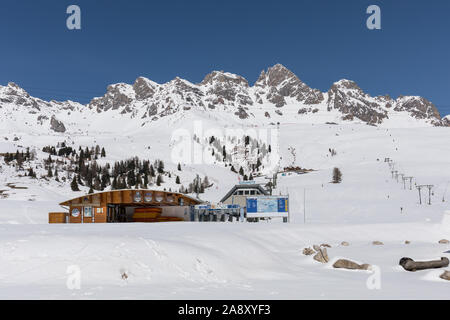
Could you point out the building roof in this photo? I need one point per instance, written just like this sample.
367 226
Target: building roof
244 187
126 196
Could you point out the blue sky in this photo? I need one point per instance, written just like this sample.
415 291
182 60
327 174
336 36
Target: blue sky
321 41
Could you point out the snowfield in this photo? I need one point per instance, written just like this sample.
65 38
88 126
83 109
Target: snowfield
242 260
215 261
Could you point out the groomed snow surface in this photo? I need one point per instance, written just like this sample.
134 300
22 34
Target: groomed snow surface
246 260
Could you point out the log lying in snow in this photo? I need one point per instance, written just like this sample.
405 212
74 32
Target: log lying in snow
347 264
410 265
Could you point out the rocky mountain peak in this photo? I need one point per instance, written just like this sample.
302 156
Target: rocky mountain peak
117 96
348 98
224 78
346 85
278 74
279 83
12 89
144 88
418 107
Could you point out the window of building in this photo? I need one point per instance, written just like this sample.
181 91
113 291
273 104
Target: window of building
88 212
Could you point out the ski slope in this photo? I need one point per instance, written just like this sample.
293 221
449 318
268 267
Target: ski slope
242 260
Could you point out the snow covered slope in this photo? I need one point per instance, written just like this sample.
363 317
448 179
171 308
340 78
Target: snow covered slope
216 261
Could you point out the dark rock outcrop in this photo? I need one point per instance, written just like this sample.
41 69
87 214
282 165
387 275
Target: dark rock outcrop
57 125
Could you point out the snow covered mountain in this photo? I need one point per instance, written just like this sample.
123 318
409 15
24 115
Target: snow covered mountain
277 95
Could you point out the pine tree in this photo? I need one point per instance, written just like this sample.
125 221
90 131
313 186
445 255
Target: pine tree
161 167
79 180
152 171
177 180
114 184
31 173
74 185
159 180
97 184
337 175
131 179
49 172
205 182
138 181
145 181
91 191
179 167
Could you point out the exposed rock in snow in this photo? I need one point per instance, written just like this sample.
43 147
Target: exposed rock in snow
348 264
418 107
445 275
57 125
117 95
352 102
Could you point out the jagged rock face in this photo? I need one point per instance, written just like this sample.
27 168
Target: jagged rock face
17 105
224 88
13 94
57 125
279 83
144 88
117 96
418 107
347 97
242 113
446 121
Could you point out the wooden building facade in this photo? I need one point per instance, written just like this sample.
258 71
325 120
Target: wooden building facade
120 206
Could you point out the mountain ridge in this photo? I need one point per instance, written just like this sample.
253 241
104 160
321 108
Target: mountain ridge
278 94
